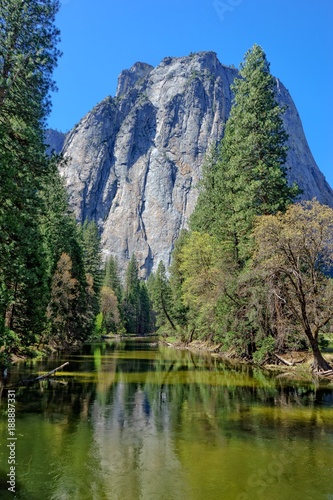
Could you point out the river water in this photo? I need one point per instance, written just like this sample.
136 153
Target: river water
135 421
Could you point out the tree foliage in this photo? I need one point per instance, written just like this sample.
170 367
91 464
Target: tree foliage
28 41
65 295
161 297
131 304
136 307
112 277
45 290
253 303
294 254
109 309
28 55
91 251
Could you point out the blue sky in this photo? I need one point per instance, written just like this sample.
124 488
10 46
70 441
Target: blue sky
102 37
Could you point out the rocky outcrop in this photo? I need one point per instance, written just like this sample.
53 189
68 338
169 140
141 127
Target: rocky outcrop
133 163
128 78
54 141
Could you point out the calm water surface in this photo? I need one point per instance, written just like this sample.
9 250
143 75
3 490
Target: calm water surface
132 421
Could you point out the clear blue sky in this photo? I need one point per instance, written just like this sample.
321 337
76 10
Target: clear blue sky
102 37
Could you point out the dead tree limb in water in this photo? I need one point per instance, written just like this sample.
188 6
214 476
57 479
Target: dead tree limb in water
41 377
50 373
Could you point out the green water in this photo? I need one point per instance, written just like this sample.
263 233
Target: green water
132 421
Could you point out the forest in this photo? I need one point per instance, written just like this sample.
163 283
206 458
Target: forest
252 273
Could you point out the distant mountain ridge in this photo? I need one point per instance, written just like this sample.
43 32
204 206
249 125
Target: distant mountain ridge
133 163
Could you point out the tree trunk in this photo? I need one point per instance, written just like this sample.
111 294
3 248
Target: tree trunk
190 338
9 315
319 363
168 317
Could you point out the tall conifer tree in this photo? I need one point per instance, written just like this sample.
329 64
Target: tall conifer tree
28 54
112 277
131 305
246 175
161 295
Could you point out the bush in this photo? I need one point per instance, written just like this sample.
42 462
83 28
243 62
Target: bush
10 340
265 347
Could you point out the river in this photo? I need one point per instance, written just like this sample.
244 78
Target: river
130 420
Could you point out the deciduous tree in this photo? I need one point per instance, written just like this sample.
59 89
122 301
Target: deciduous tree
109 308
294 255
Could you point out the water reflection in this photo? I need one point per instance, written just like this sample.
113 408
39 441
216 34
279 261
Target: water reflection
132 421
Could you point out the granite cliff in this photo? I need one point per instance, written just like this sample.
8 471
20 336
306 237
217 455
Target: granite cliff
54 141
132 164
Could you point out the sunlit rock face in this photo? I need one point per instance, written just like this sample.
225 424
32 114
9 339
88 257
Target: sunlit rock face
133 163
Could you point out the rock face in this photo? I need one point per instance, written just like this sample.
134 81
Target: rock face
54 141
132 164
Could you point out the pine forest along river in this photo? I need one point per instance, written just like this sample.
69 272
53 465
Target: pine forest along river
130 420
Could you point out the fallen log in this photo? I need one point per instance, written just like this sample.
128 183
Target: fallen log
284 361
41 377
327 373
51 372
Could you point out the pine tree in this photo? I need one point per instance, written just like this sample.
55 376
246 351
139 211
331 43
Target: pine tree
161 296
145 310
180 310
92 251
112 277
112 282
247 174
28 55
244 176
65 296
57 222
131 303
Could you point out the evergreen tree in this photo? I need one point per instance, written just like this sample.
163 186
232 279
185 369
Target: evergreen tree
92 252
57 222
64 307
62 235
112 277
161 296
28 55
180 310
243 177
131 304
145 325
28 41
247 174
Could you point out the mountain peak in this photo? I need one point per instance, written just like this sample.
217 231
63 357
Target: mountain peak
129 77
133 164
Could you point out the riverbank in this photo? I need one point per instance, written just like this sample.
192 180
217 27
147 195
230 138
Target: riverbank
36 352
295 365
